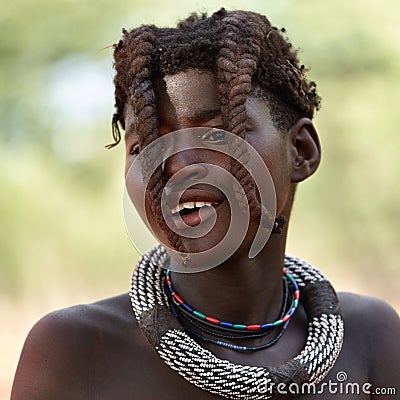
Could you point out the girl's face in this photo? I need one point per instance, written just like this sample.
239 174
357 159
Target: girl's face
190 99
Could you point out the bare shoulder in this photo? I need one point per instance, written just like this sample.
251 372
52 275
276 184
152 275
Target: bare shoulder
63 347
103 319
373 326
93 351
355 303
86 318
370 314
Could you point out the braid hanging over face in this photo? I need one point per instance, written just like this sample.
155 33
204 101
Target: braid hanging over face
248 55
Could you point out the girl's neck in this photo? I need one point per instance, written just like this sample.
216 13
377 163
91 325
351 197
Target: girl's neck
241 290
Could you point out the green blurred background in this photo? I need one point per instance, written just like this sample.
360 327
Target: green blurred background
62 237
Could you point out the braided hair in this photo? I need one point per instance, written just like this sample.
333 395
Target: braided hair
249 57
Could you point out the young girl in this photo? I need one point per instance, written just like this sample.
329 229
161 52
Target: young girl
268 326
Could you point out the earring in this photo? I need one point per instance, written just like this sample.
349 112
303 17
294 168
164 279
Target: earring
279 224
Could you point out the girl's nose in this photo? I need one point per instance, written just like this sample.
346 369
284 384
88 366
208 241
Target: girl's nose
187 162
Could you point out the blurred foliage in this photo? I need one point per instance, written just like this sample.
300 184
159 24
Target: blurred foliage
62 227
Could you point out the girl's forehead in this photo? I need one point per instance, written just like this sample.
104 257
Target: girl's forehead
188 92
191 97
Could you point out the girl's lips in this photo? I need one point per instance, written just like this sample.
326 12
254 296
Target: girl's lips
194 218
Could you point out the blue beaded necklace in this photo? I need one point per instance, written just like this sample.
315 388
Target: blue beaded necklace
236 347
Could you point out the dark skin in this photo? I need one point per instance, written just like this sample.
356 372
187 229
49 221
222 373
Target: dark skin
97 351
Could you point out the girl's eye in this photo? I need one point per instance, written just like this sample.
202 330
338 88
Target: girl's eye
134 150
215 137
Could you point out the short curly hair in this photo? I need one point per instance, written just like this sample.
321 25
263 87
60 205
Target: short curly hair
249 57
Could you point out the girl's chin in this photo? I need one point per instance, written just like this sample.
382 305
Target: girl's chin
198 245
207 241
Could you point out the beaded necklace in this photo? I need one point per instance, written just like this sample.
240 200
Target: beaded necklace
236 347
181 314
180 302
234 381
238 334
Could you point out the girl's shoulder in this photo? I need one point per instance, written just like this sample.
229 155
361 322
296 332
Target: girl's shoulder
63 349
372 328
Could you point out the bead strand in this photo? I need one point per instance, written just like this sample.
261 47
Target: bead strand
185 307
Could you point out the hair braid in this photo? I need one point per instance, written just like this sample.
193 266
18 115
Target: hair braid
141 46
237 63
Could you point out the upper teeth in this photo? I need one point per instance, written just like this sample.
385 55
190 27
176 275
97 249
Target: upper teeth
191 204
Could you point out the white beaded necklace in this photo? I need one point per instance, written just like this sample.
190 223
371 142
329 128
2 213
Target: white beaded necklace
234 381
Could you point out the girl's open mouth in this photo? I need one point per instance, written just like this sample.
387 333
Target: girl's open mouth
192 213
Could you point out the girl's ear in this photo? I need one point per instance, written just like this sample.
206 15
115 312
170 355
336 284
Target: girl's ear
305 149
